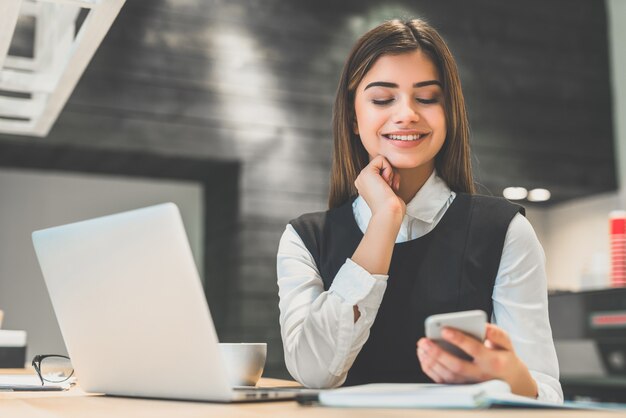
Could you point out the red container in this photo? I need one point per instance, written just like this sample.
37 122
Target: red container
617 235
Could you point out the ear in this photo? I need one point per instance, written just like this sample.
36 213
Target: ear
355 126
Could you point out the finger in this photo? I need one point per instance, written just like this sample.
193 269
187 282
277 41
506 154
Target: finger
462 369
428 352
385 174
375 165
438 371
426 364
425 344
456 365
498 337
378 162
385 169
396 183
446 374
425 352
391 178
470 345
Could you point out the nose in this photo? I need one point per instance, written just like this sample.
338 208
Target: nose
406 113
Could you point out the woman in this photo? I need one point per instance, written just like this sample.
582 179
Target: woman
406 237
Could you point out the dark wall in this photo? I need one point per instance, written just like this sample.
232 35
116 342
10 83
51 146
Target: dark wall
253 82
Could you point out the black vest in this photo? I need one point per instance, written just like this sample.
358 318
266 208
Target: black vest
452 268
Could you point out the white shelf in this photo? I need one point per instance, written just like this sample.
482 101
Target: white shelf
60 56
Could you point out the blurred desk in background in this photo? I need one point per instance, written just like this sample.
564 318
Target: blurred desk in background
589 330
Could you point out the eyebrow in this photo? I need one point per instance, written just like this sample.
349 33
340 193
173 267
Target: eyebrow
395 86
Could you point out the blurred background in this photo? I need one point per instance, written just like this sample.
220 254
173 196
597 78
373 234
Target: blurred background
224 107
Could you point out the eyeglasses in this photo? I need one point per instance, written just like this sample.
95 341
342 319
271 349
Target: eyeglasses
52 368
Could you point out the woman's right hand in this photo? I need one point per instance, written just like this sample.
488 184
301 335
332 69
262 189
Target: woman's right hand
378 183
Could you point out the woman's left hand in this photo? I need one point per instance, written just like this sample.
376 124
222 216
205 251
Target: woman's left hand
493 359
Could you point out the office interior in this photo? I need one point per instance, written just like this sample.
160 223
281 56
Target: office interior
224 107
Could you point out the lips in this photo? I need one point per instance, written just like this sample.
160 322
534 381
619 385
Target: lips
409 136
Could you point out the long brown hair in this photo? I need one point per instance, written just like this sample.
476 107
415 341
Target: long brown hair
396 37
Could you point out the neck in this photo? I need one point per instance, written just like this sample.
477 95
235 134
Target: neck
412 180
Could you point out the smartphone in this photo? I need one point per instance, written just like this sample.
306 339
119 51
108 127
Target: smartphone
472 323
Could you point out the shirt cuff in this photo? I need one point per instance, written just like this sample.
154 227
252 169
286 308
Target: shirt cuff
355 286
547 391
353 283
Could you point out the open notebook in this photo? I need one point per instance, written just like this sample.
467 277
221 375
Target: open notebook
30 382
494 393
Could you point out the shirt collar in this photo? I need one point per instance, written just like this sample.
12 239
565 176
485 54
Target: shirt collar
430 199
425 205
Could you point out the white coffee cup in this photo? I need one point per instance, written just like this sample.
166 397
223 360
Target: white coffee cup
244 362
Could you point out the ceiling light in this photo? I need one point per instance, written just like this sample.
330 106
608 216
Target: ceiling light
539 195
35 88
515 193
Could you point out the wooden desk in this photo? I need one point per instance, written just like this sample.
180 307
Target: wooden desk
75 403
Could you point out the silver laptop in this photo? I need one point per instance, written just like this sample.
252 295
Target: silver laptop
132 311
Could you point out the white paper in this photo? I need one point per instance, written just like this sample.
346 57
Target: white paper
389 395
8 381
431 396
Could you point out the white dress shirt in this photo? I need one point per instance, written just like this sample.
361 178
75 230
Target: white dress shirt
321 339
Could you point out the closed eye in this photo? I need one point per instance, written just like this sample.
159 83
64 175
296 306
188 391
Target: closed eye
428 101
382 102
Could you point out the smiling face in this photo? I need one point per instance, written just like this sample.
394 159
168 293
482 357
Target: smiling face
400 111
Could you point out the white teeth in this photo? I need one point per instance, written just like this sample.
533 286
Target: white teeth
405 137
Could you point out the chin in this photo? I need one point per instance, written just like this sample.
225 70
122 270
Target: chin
402 162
